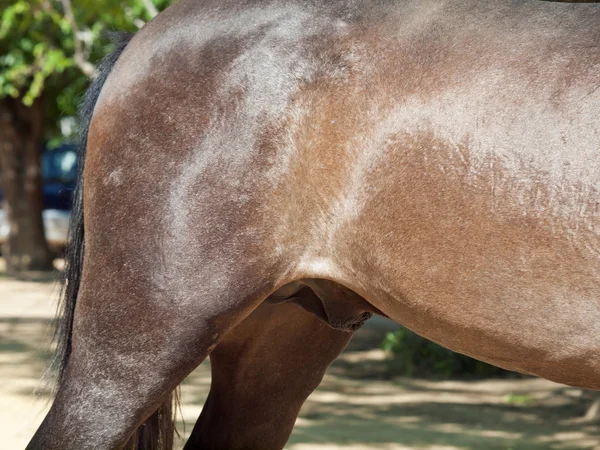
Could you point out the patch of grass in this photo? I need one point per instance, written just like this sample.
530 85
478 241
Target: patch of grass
518 399
411 355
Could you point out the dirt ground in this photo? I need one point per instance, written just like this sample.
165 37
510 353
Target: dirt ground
355 408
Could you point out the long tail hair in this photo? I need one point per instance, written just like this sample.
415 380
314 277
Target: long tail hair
157 433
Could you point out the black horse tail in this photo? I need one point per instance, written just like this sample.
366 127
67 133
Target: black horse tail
157 433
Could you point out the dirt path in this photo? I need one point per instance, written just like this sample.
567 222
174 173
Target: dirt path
355 408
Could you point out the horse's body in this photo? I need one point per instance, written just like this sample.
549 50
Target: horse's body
435 161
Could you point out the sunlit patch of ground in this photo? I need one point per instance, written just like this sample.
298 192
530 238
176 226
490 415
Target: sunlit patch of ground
355 408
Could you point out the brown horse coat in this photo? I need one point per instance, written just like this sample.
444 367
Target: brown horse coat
437 161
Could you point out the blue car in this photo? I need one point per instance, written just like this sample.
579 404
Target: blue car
59 173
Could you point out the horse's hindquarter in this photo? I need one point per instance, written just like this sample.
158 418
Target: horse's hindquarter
440 158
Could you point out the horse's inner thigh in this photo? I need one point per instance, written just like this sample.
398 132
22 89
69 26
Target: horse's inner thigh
334 304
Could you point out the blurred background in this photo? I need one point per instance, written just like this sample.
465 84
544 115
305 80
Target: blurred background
390 390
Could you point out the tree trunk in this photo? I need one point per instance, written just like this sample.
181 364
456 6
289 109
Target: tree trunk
21 138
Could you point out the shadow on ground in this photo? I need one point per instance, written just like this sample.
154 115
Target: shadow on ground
355 408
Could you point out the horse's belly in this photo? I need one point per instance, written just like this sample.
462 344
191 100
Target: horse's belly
546 327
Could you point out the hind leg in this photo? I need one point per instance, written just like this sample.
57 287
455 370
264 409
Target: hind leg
262 372
133 342
129 351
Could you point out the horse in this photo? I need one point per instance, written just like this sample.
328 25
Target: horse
262 176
